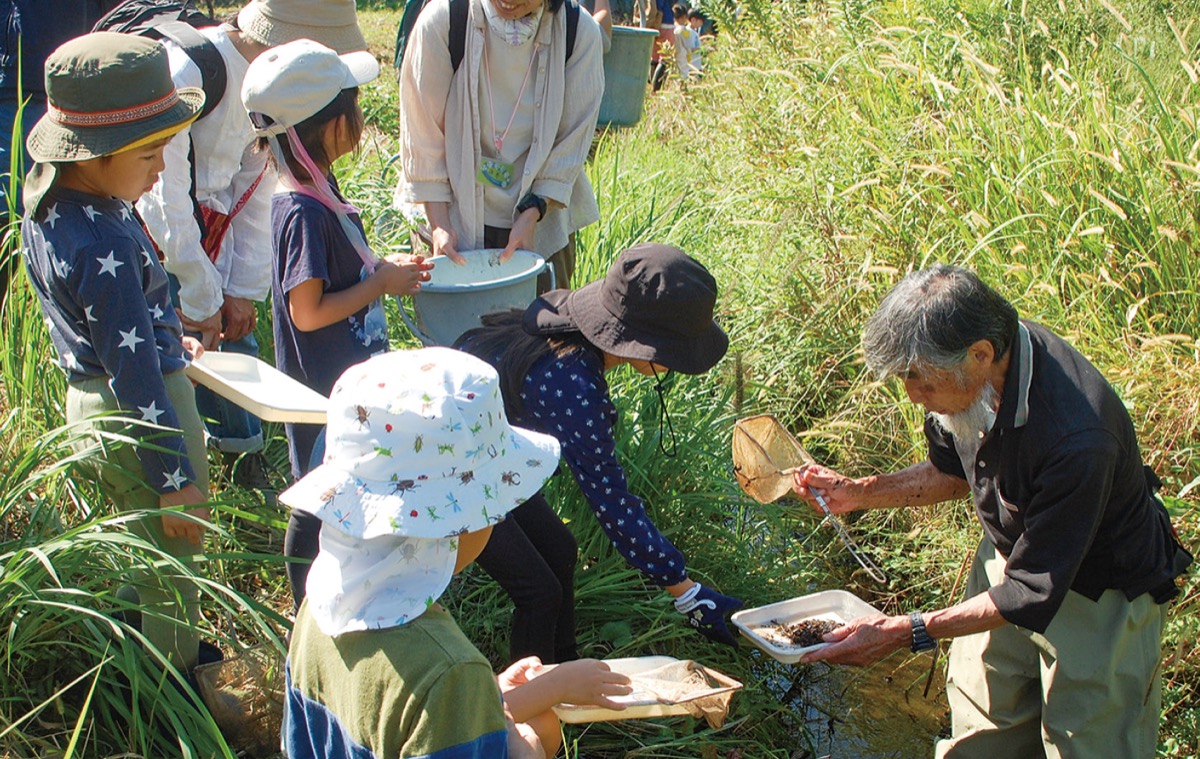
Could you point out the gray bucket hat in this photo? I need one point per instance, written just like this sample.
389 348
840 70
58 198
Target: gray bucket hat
105 92
333 23
655 304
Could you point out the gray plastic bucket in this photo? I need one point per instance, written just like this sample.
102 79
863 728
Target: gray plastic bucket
626 73
455 297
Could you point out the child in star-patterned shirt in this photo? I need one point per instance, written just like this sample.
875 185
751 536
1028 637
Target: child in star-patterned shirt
112 110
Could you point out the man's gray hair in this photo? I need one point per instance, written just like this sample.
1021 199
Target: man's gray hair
932 317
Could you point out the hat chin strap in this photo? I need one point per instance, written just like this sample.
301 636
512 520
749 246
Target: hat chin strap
664 416
321 192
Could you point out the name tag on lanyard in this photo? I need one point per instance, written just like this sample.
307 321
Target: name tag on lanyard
495 173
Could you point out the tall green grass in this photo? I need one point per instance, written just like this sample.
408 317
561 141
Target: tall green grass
833 146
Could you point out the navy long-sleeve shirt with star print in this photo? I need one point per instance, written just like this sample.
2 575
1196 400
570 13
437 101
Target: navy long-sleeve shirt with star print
568 398
104 296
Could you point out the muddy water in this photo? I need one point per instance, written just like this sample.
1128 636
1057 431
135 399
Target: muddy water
876 712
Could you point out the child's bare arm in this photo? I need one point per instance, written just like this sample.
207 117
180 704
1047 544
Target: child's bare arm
523 741
585 682
311 308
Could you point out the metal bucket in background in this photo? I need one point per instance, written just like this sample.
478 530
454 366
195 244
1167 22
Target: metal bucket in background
626 76
455 297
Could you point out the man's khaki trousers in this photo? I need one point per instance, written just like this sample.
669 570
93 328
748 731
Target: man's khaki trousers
1087 688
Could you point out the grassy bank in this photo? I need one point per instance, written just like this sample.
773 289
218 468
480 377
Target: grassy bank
1051 145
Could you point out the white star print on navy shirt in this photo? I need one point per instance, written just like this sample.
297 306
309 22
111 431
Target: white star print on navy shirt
109 265
103 322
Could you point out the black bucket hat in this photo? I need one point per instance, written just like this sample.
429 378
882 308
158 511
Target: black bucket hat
655 304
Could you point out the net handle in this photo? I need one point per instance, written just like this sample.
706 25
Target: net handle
863 559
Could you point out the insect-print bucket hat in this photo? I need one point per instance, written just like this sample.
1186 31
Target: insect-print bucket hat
418 446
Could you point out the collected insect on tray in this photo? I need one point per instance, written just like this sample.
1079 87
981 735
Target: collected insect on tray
787 630
258 387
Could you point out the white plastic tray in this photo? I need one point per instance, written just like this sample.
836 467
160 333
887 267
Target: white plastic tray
259 388
639 705
838 606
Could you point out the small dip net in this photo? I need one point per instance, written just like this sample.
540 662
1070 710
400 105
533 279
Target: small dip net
245 695
765 455
704 692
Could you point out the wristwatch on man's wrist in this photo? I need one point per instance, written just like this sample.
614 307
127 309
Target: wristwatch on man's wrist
920 636
532 201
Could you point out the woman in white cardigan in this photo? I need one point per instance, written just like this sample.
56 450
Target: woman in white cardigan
494 151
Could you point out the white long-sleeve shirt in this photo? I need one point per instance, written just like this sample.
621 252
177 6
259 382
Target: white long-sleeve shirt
226 167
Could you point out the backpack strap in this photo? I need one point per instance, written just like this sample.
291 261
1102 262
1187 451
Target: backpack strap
572 26
458 31
204 54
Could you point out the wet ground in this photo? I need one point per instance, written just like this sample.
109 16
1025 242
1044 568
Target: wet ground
877 712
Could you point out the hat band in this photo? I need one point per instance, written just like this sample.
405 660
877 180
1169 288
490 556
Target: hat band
113 118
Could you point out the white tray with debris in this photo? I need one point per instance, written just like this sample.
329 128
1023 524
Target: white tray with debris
258 387
773 627
663 686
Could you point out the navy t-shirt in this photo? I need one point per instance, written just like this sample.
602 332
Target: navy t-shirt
309 244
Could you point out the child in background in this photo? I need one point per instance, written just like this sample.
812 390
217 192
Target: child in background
696 21
112 108
422 462
327 285
687 41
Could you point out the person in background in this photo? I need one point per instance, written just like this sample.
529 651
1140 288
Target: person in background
687 45
1056 649
696 22
653 312
376 667
32 30
210 215
601 11
659 15
494 151
111 111
327 284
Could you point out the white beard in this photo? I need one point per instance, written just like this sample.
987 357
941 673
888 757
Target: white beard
968 426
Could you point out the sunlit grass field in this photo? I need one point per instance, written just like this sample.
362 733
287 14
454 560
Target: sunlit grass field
831 147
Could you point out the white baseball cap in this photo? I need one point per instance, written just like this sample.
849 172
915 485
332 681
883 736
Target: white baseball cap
294 81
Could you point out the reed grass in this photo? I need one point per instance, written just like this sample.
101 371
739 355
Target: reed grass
833 146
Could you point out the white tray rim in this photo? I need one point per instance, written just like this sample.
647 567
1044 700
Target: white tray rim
840 605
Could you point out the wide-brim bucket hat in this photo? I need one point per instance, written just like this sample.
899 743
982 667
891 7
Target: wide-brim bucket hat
419 446
105 92
654 304
333 23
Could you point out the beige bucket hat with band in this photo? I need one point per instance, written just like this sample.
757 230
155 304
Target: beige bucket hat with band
333 23
106 93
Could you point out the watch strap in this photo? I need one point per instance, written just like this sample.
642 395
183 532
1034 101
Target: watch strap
921 640
532 201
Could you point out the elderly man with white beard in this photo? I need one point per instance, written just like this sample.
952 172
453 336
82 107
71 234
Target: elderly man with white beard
1056 647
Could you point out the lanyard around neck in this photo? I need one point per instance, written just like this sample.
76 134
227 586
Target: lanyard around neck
498 140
